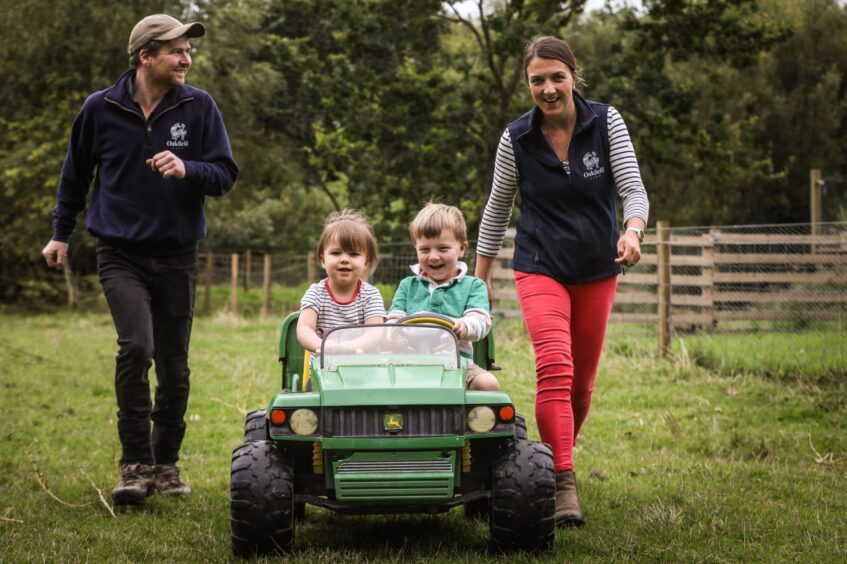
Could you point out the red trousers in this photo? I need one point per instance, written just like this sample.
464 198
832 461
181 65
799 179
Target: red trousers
567 326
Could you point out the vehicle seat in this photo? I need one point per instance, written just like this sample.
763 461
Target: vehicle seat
291 354
483 353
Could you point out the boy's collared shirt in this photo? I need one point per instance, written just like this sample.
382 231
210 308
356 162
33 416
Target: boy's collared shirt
463 298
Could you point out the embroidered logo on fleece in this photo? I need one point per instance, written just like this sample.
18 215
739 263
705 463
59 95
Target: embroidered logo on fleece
592 165
178 133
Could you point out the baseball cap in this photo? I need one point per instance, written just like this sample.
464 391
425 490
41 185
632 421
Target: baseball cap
161 27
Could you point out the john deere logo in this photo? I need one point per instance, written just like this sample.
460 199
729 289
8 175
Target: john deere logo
393 422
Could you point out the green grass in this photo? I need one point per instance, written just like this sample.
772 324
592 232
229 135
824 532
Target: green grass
811 355
678 461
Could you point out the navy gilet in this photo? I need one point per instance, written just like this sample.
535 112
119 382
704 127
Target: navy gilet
568 224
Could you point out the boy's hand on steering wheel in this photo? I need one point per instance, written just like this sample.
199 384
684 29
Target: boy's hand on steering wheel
460 329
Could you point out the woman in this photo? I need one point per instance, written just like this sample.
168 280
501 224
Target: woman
567 156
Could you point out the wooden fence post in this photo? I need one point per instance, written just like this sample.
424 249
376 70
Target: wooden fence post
248 267
207 298
233 289
266 284
815 203
708 269
663 267
311 271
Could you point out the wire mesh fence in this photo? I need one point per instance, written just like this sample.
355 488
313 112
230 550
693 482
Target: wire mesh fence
718 280
788 279
298 268
286 268
723 275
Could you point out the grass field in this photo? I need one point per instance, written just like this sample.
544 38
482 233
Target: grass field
681 459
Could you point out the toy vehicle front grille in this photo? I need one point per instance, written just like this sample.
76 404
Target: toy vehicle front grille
397 466
419 478
417 421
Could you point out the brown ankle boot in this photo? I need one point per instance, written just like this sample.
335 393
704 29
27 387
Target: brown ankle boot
568 513
135 485
167 480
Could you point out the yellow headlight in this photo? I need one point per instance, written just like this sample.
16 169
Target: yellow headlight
304 422
481 419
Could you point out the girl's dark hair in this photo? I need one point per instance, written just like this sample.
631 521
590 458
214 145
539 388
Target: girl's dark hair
352 231
549 47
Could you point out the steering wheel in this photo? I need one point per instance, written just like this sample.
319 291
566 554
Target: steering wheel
425 318
428 318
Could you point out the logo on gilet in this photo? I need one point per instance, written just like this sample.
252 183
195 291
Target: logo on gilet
178 133
592 165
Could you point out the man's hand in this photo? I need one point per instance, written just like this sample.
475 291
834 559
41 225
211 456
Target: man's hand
54 253
168 164
460 329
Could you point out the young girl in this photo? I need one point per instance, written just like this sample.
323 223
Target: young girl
347 252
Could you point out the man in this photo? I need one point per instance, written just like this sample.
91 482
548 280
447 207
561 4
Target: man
155 148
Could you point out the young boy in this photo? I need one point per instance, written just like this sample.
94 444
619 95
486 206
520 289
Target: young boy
441 285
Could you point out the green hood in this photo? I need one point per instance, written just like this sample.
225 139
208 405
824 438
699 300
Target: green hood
391 385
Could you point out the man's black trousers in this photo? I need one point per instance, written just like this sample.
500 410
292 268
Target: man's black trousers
152 304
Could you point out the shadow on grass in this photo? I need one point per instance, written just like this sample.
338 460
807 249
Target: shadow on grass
432 535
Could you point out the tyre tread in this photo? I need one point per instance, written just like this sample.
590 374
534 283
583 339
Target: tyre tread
256 426
261 500
523 502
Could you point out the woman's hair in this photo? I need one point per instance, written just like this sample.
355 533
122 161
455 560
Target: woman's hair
353 232
434 218
549 47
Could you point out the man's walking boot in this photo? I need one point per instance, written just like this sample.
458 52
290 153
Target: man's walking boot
168 481
135 485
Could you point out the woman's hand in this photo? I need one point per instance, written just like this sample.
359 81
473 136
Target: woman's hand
490 293
629 249
482 271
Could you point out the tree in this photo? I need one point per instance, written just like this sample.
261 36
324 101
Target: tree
271 205
383 105
363 100
677 75
493 65
55 53
800 90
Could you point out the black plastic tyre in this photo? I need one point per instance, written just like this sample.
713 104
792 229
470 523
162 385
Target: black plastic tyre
261 500
520 427
256 426
523 497
480 509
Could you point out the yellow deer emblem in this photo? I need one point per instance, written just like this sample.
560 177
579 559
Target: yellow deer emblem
393 422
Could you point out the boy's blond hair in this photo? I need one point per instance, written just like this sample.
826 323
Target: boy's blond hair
434 218
353 232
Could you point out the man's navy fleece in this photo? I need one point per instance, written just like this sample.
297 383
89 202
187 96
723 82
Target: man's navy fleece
131 205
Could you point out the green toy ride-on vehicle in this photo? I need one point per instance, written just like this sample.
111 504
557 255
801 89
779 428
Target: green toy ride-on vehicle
380 421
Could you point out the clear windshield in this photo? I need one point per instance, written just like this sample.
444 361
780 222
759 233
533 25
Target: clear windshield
382 345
